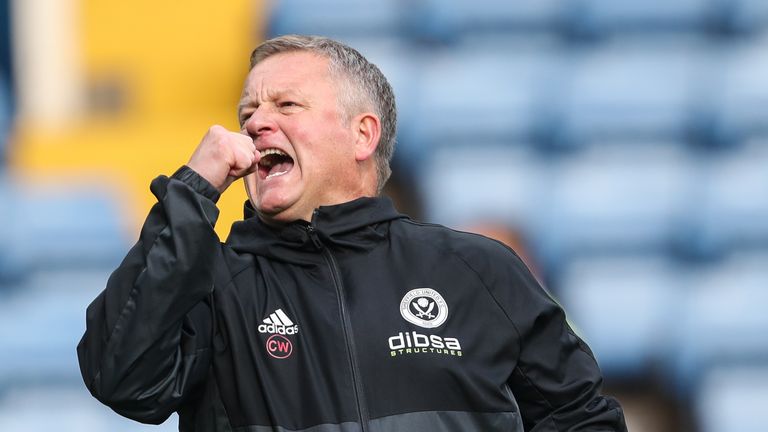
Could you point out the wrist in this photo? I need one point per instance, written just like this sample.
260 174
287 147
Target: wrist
197 181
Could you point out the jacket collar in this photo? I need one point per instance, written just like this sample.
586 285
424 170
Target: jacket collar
355 224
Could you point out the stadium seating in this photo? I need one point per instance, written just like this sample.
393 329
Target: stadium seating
42 408
739 100
733 206
56 227
7 269
456 182
624 307
742 16
338 18
464 97
42 321
646 183
732 399
720 317
602 17
627 140
449 22
631 89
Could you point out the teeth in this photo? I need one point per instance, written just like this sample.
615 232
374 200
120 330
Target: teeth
269 162
272 151
266 162
276 174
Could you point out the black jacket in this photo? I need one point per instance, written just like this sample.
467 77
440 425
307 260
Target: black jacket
362 320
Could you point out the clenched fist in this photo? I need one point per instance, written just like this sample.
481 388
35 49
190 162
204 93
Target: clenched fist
224 156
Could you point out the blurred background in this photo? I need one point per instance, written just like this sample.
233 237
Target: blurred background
620 146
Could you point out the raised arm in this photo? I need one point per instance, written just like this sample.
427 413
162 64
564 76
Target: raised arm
148 334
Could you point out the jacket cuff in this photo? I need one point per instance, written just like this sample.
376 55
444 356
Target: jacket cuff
196 182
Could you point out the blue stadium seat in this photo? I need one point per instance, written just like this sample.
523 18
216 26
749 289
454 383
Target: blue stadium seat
740 99
453 20
66 226
482 95
338 18
7 200
624 307
481 182
41 323
743 16
632 89
721 318
32 350
733 202
615 197
732 399
44 408
605 17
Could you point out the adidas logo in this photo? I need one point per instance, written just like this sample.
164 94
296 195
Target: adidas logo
278 323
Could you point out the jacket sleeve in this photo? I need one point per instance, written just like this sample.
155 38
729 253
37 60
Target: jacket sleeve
557 381
147 337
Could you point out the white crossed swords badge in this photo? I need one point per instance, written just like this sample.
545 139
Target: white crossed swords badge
422 303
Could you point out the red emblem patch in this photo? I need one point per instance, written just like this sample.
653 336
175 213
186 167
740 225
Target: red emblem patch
278 346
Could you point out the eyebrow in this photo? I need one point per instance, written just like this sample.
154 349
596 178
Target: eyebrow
241 106
271 95
242 102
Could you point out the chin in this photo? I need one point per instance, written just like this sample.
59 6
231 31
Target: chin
271 203
276 213
282 205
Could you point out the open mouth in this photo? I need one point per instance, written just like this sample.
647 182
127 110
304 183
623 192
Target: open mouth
274 163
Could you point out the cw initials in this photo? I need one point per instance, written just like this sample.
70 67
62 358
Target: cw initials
279 346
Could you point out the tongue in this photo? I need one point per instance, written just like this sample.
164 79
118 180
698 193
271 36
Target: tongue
280 167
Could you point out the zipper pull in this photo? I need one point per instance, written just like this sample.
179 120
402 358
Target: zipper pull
312 232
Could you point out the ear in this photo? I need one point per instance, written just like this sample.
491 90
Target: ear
367 134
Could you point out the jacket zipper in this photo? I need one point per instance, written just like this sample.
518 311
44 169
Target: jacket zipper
362 411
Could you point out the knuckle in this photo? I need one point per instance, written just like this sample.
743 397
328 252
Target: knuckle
241 139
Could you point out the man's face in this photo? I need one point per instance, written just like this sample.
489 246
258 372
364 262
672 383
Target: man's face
290 108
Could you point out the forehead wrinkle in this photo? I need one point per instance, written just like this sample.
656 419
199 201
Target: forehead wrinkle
243 102
256 92
275 93
269 93
246 99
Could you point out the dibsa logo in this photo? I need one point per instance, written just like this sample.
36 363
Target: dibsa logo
279 347
426 308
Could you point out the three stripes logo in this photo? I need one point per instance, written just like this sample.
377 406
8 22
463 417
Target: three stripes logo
278 323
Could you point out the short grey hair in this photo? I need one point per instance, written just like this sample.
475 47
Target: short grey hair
365 87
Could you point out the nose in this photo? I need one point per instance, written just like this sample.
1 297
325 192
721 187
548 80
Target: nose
260 123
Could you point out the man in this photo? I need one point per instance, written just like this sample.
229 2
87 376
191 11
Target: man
326 310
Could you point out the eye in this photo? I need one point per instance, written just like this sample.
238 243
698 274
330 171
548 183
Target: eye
287 104
244 118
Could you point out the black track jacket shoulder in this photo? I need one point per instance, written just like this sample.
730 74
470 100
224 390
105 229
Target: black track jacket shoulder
360 321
